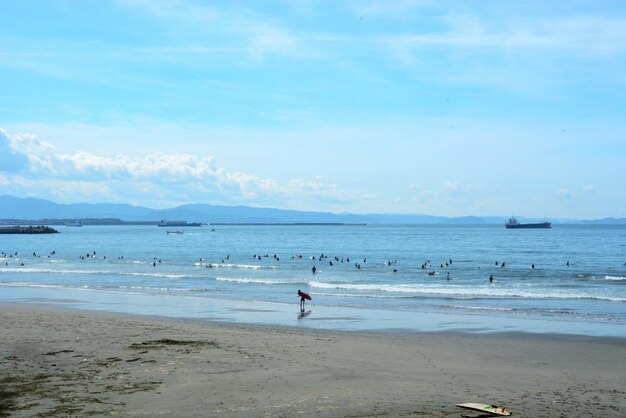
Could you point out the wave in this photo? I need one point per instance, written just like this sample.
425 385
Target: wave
235 266
479 308
43 270
592 277
102 287
246 280
164 275
37 285
166 289
102 272
450 291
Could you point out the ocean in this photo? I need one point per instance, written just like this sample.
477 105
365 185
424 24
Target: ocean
368 277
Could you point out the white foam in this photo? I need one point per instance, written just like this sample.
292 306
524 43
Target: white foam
455 291
54 271
164 275
42 270
37 285
254 281
481 308
164 289
234 266
246 266
615 278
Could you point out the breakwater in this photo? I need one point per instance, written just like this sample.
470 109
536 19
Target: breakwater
41 229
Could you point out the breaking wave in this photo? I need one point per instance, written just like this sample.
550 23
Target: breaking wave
449 291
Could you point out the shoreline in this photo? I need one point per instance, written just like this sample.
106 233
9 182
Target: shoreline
66 361
320 317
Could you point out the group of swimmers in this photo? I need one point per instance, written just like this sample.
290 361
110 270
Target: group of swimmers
11 255
426 265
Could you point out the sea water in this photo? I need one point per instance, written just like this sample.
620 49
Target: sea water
401 277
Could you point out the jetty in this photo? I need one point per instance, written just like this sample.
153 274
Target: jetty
40 229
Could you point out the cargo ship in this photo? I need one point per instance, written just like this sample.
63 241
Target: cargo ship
513 223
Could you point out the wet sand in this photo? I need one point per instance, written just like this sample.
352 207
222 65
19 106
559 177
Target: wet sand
61 362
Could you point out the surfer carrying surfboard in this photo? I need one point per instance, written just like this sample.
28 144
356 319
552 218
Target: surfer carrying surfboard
303 297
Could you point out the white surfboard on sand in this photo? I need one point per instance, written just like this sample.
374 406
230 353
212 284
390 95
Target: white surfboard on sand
489 409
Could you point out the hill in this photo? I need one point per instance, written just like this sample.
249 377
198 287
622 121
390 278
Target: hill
16 208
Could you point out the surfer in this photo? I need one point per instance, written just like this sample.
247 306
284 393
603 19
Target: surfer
491 278
303 298
313 269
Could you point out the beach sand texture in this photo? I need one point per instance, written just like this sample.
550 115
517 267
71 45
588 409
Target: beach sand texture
58 362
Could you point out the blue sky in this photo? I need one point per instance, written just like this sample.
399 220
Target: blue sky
439 107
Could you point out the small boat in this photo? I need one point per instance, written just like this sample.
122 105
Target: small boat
76 223
513 223
174 232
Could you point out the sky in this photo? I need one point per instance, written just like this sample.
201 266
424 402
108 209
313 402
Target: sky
447 108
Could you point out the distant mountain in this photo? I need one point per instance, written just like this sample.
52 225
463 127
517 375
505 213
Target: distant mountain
603 221
247 214
29 208
35 209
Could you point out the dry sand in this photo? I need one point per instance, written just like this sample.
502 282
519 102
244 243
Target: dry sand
57 362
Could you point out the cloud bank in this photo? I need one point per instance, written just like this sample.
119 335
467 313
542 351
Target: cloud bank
26 162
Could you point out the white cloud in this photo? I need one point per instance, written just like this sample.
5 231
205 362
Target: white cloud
582 34
451 185
10 160
244 31
589 189
158 178
566 193
513 53
394 9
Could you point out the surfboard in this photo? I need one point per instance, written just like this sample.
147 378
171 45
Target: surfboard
304 295
490 409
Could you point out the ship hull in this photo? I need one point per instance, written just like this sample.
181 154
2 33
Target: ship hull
542 225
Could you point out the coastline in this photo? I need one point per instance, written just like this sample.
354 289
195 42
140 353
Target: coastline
59 361
316 316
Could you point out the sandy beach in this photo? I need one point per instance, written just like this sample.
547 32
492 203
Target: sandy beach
61 362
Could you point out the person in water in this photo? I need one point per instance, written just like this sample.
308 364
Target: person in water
491 278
